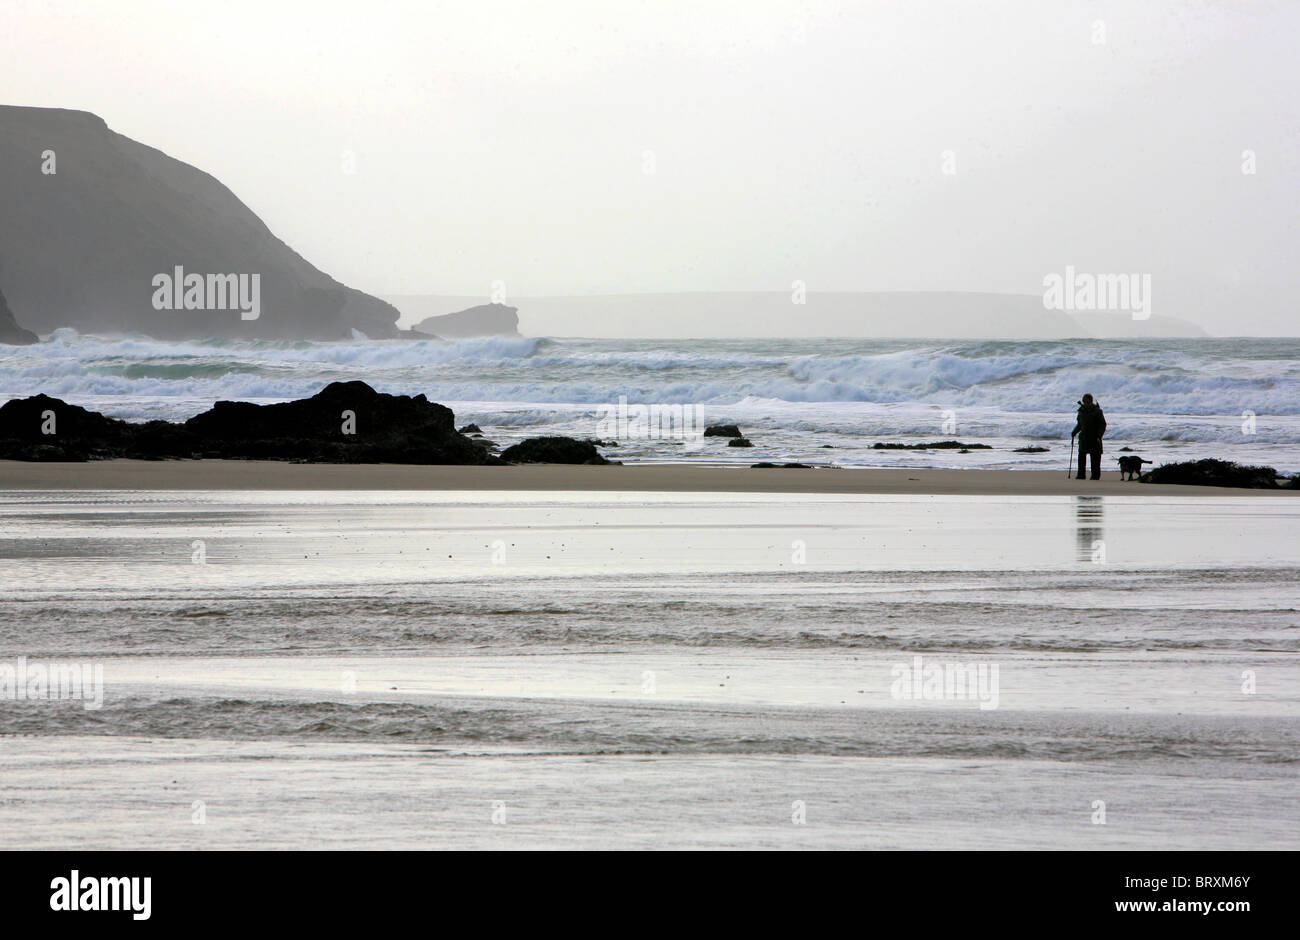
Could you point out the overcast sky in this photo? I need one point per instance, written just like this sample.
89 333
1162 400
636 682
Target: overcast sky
617 146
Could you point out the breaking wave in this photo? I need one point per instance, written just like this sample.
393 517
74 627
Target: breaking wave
1014 388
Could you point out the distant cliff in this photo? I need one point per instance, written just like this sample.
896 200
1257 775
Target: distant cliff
10 332
1119 326
95 226
483 320
879 314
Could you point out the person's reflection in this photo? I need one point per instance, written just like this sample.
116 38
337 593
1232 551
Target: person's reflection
1089 517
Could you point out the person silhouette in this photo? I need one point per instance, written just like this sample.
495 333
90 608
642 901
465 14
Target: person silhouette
1089 426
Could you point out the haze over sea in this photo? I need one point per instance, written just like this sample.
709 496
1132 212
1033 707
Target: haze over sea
1169 399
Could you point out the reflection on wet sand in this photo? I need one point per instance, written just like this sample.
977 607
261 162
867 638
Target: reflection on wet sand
1089 516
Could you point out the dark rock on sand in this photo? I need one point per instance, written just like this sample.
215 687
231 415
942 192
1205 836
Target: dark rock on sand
383 429
1031 450
722 430
1211 472
935 445
553 450
739 442
45 428
346 422
780 466
470 429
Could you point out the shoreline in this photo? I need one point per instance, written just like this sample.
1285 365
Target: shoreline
630 478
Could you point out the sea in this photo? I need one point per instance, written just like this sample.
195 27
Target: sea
822 401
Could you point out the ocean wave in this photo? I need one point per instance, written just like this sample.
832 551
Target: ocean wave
1196 391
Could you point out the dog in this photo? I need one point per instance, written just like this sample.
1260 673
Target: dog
1131 466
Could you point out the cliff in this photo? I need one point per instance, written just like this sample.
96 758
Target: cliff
10 332
483 320
93 219
877 314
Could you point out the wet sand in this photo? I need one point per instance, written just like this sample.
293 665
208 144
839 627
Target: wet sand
569 669
275 475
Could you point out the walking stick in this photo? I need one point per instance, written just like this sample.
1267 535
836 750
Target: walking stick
1071 463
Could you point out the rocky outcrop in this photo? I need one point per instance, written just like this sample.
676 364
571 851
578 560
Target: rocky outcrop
483 320
553 450
1212 472
91 218
722 430
45 428
346 422
10 332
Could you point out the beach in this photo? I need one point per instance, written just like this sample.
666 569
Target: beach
453 428
650 478
928 636
370 662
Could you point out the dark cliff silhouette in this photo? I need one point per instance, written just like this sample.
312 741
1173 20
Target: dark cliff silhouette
80 246
483 320
10 332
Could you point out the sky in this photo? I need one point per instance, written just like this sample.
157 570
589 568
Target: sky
570 147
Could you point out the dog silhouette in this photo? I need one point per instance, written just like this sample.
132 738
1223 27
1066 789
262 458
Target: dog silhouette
1131 466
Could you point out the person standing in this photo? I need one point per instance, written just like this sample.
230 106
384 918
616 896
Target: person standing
1089 426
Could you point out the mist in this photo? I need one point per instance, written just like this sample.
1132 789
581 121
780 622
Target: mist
576 149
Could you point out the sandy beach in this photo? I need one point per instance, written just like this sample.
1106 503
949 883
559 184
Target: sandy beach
275 475
348 664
